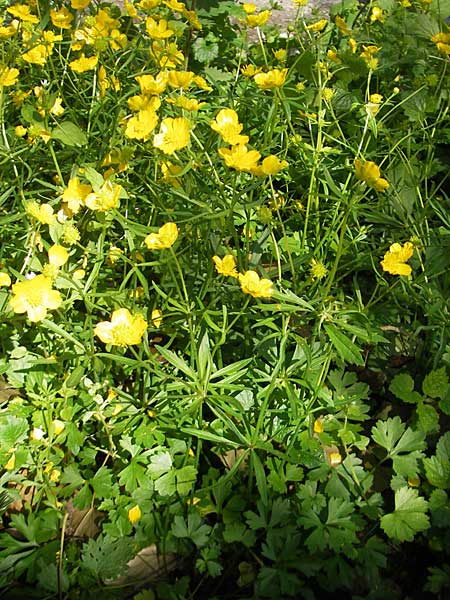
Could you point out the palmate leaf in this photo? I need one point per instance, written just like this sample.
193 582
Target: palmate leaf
409 516
391 435
105 557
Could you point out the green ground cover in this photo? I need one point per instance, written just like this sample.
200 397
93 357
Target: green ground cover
224 281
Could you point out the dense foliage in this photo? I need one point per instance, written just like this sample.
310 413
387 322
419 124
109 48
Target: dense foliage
224 301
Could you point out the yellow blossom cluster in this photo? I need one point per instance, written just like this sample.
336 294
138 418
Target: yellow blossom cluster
250 281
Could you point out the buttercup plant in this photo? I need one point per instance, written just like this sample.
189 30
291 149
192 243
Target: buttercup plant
224 300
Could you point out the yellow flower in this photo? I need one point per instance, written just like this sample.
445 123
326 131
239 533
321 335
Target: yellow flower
141 125
156 317
318 270
376 98
55 474
280 54
79 4
318 426
332 55
249 8
124 329
181 79
41 212
335 459
5 279
58 426
377 15
239 158
369 172
82 64
396 257
342 26
106 198
226 265
259 19
158 29
57 255
253 285
11 464
165 238
187 103
79 274
75 194
22 12
153 85
272 79
134 514
37 55
167 55
61 18
8 76
272 165
353 45
9 30
249 70
35 297
173 135
226 123
318 26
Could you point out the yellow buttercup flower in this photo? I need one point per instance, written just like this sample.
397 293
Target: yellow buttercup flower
272 79
318 426
75 194
124 328
153 85
318 25
58 426
226 123
157 317
394 260
158 29
170 173
61 18
259 19
369 172
249 8
239 158
187 103
5 279
272 165
141 125
173 135
253 285
165 238
226 265
181 79
57 255
167 55
11 464
342 26
249 70
83 64
377 14
35 297
22 12
79 4
134 514
8 76
41 212
106 198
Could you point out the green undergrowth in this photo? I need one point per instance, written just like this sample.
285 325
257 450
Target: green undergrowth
224 279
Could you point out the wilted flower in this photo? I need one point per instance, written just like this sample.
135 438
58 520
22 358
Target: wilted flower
226 265
396 257
253 285
124 329
35 297
106 198
165 238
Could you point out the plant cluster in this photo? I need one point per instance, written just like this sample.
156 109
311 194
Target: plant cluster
224 318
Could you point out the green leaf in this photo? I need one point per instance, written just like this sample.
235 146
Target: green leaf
408 517
391 435
194 529
186 478
344 346
166 485
437 472
102 483
13 431
402 386
107 558
435 384
159 464
407 464
132 476
428 417
69 134
261 482
205 52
